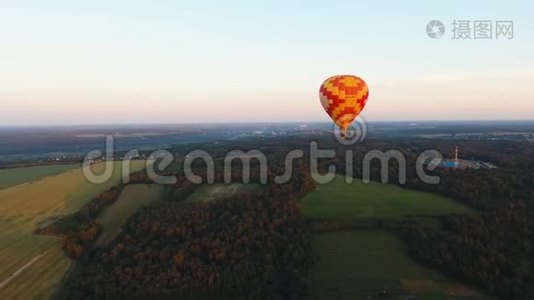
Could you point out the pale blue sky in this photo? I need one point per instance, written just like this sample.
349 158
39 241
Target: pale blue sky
66 62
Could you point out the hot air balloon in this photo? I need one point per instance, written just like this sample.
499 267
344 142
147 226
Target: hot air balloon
343 97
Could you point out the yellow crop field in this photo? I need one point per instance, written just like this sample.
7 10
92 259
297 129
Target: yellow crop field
32 266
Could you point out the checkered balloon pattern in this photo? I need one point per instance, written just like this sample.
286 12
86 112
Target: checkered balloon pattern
343 97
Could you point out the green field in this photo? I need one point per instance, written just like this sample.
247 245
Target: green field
132 198
338 200
32 266
359 264
17 176
217 191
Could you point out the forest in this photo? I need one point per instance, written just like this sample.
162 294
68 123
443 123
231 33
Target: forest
256 245
253 245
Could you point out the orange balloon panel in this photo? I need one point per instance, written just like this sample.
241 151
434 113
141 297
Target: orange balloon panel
343 97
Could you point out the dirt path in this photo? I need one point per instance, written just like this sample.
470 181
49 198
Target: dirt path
20 270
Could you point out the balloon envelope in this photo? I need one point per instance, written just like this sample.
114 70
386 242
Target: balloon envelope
343 97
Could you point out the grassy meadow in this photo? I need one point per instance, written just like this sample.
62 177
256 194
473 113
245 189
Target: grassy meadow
338 200
359 264
217 191
132 198
32 266
16 176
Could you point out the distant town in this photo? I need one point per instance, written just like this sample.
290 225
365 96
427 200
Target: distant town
70 144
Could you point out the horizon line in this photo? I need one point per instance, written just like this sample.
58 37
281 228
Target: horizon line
259 122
